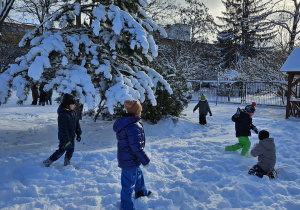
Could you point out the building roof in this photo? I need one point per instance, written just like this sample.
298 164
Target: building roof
292 63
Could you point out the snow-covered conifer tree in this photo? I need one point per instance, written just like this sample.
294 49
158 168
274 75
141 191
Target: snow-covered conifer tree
245 31
105 58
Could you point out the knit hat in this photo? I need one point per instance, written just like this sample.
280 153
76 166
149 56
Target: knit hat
203 96
68 99
263 134
251 108
133 106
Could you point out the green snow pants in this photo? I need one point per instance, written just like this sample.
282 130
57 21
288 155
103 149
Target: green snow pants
244 143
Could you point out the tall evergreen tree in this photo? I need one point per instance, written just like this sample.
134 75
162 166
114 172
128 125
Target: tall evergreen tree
106 58
244 32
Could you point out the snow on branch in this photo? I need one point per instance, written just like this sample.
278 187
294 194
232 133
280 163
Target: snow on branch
106 57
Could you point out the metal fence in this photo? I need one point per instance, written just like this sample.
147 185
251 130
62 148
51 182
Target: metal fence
264 93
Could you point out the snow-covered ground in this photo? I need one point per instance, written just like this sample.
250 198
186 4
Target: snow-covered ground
189 167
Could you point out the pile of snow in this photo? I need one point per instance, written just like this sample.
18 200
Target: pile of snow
189 167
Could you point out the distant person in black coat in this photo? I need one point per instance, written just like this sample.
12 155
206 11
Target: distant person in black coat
35 94
243 125
43 95
68 129
49 97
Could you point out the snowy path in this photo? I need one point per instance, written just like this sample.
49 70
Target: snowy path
189 167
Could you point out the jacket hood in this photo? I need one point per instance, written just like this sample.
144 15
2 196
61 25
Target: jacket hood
122 122
268 143
61 109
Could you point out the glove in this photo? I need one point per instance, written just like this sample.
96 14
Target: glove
210 114
78 138
255 130
238 111
147 166
68 145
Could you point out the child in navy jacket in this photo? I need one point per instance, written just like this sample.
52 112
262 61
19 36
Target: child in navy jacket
68 129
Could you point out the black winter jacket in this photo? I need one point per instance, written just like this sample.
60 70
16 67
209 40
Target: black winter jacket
243 124
131 142
68 125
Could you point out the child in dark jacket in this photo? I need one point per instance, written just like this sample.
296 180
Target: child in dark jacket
203 109
68 127
131 143
266 152
243 125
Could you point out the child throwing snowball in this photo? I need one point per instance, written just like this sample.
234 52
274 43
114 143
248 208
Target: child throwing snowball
203 109
131 143
243 125
68 128
266 152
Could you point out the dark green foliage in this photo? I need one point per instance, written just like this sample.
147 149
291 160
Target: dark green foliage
245 32
168 104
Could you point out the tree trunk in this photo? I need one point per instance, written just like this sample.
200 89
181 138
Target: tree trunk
79 109
294 28
4 11
78 17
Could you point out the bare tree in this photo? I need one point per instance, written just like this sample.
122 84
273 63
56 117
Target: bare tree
162 11
5 6
197 17
288 19
38 10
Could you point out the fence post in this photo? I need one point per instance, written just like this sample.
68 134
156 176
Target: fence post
200 89
218 85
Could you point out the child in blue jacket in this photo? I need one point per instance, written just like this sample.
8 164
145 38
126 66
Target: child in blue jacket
131 142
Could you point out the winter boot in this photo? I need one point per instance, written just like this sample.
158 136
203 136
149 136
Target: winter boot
47 162
141 193
67 162
272 174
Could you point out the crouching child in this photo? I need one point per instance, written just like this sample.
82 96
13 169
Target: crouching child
266 152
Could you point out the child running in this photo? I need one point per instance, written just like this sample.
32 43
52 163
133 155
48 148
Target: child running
243 125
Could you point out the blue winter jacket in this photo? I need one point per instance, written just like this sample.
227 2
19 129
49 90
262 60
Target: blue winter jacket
131 142
68 125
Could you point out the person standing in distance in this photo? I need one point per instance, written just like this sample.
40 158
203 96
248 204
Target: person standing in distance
204 108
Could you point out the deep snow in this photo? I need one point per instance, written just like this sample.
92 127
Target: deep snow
189 167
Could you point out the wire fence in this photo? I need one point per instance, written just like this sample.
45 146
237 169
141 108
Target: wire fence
264 93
